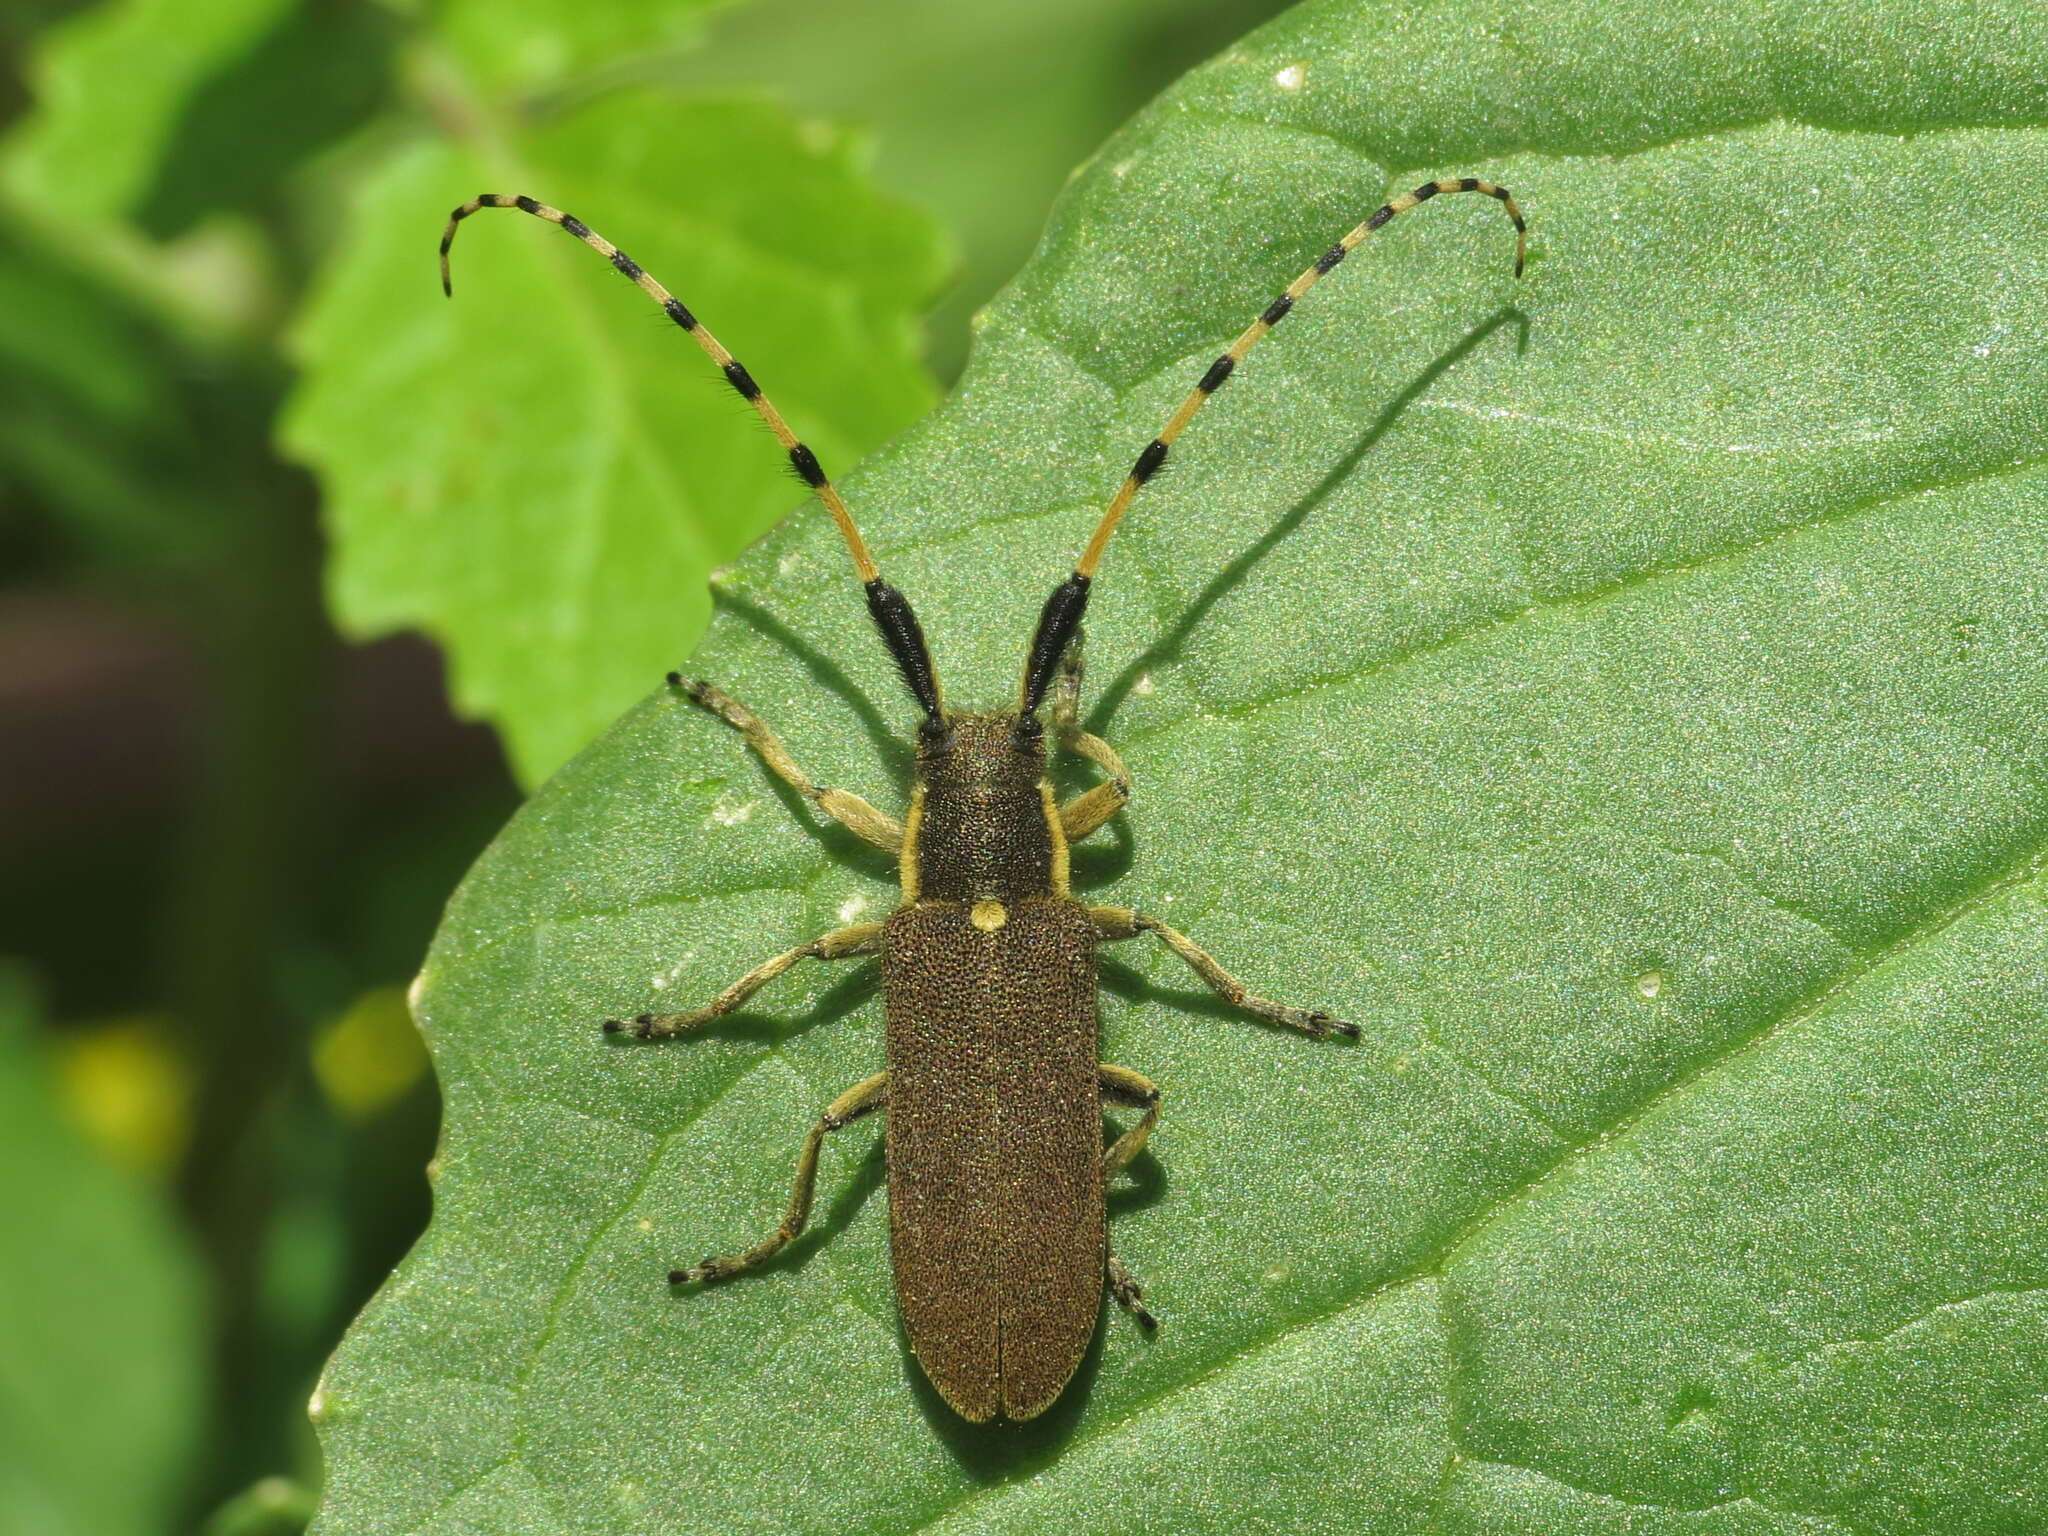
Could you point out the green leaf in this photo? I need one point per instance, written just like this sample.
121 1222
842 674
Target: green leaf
111 85
542 472
100 1333
1621 694
275 1506
97 421
936 82
527 45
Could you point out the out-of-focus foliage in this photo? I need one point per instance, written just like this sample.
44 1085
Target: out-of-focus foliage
980 110
111 87
125 1085
543 472
275 1506
369 1057
101 1337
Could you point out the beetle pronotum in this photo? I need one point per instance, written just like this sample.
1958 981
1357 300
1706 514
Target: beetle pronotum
993 1085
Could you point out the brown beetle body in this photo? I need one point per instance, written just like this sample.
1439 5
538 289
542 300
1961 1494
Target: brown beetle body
995 1149
994 1086
995 1120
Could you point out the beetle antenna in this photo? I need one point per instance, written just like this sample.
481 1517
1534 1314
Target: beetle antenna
1062 613
889 609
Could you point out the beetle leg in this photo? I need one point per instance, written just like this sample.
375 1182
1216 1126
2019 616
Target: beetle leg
1130 1295
862 819
1090 809
1122 923
1120 1085
839 944
862 1098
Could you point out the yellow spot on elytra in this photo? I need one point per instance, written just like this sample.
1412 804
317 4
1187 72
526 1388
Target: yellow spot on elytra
988 916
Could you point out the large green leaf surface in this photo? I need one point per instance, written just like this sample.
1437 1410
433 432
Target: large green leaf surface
1621 693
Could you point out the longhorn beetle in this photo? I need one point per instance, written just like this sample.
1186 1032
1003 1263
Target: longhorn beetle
997 1171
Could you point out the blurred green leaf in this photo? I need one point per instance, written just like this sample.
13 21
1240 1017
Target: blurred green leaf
321 72
276 1506
111 85
541 472
163 113
515 46
366 1060
937 82
1621 694
95 415
100 1335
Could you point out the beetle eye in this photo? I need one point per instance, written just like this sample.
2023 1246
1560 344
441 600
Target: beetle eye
933 739
1029 735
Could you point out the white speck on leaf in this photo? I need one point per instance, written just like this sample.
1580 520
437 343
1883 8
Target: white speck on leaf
732 813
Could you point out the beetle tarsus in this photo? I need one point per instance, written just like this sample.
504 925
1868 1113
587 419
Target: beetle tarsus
1322 1025
1130 1295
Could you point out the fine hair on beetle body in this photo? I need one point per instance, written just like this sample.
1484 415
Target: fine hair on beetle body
993 1084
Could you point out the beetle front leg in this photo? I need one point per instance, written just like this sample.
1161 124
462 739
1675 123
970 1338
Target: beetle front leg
1092 808
1122 923
862 1098
839 944
858 816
